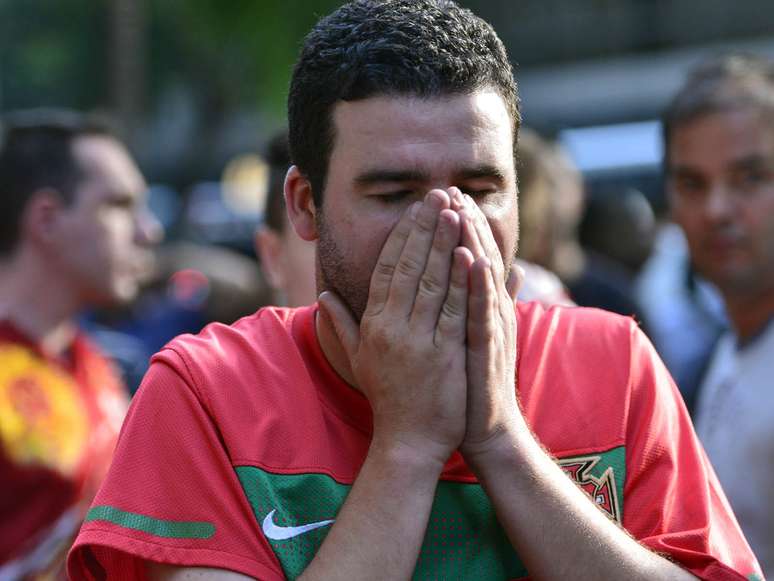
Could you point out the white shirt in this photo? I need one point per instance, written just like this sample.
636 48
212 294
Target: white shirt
735 422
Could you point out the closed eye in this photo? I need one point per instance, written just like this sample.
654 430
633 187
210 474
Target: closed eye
394 197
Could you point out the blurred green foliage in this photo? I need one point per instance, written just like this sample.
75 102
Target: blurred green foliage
234 53
52 53
239 52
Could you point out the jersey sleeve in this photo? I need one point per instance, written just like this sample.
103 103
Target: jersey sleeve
171 494
673 502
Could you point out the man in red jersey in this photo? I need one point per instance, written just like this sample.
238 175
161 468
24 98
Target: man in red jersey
405 429
74 234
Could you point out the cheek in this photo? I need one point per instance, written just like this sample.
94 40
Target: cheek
504 223
362 236
118 229
761 221
687 219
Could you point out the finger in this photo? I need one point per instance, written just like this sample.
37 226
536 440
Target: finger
413 259
486 238
434 284
457 199
470 238
481 305
342 321
515 281
388 258
503 298
452 320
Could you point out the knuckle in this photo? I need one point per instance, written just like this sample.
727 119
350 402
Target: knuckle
408 266
430 286
490 329
425 223
379 336
452 309
384 269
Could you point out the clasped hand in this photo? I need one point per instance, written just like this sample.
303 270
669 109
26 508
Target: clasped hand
435 350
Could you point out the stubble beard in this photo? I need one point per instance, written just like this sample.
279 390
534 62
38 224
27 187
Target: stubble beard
337 272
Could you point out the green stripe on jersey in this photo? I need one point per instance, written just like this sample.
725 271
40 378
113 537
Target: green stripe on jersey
173 529
463 539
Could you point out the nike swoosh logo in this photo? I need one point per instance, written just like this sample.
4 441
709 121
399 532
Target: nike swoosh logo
277 533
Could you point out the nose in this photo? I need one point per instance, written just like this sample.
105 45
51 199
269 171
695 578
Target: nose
719 203
148 230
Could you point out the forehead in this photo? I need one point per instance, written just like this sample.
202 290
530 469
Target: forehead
416 132
104 159
723 137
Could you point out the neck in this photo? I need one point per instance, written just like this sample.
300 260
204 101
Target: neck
332 347
39 305
749 315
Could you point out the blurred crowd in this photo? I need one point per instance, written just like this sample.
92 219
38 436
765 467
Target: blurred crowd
99 270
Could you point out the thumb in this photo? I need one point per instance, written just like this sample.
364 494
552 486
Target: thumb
342 321
515 280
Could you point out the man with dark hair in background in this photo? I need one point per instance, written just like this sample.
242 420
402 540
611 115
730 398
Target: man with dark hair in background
719 137
381 436
75 231
286 260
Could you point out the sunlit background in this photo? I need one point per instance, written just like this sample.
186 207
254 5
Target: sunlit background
197 88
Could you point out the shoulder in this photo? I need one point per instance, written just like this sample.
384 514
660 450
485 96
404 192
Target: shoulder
254 363
574 327
220 348
576 364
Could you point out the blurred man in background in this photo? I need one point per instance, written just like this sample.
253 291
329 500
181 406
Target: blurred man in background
75 233
719 134
287 260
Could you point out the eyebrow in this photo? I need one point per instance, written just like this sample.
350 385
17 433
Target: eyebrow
753 161
377 176
749 162
481 171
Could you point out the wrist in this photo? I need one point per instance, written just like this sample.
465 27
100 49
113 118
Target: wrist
425 458
511 442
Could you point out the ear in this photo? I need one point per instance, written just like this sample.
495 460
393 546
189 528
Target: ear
41 217
268 247
300 204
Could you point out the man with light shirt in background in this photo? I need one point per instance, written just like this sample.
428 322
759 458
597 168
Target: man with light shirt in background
719 144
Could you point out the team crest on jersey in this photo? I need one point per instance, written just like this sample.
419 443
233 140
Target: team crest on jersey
600 487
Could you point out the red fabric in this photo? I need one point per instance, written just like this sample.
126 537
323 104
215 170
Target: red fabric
261 393
59 421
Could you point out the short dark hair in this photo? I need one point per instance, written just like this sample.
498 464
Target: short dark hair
422 48
278 158
36 153
730 82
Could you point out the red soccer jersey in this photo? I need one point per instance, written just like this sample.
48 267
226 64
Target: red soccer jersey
59 421
242 444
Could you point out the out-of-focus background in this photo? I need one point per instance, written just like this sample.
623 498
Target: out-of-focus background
197 82
198 87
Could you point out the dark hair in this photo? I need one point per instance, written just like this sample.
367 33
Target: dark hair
423 48
36 153
278 158
730 82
